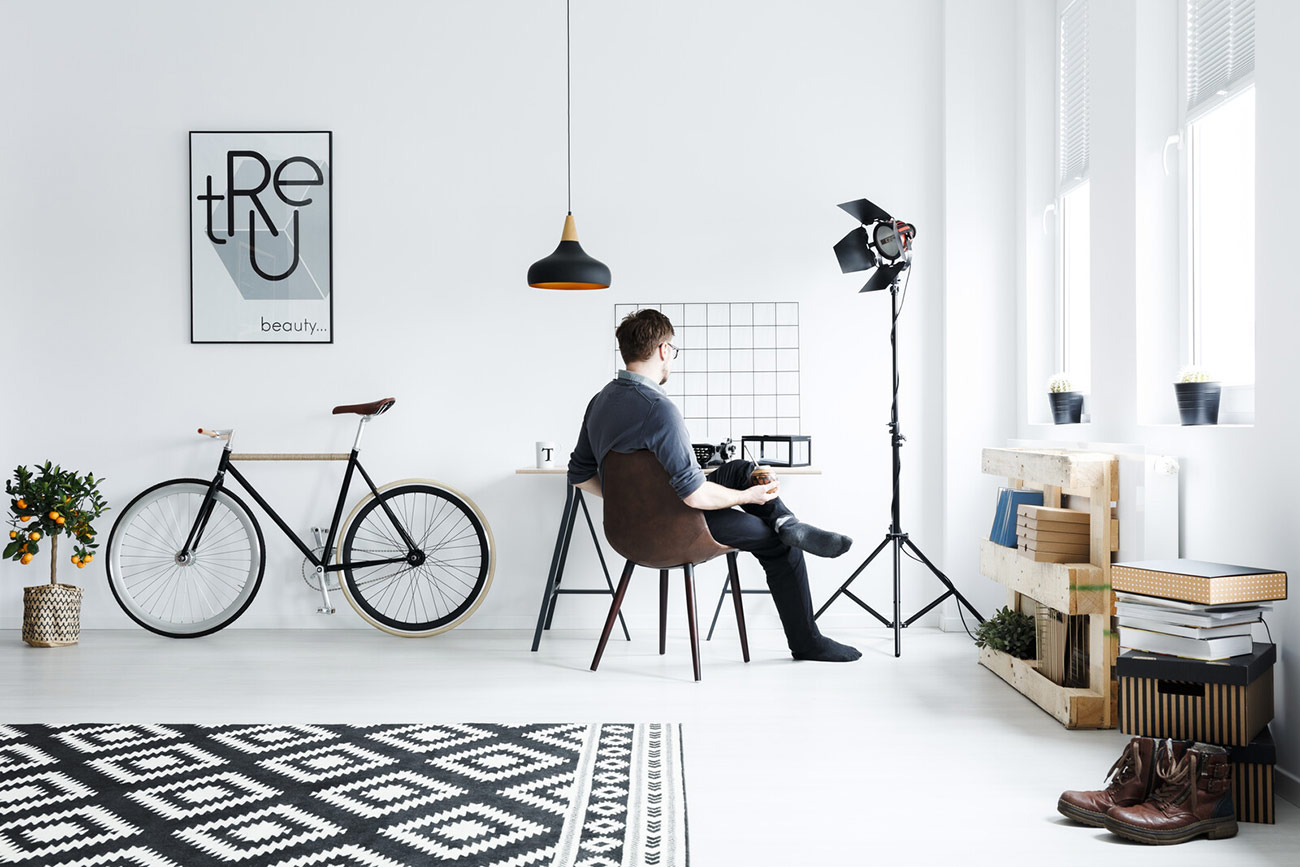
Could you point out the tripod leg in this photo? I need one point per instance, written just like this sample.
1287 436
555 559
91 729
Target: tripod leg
953 591
898 592
856 573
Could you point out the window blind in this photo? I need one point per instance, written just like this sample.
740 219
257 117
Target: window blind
1220 47
1072 106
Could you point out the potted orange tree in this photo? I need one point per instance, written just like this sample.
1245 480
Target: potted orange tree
44 505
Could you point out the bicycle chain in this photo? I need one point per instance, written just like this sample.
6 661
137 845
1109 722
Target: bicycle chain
331 578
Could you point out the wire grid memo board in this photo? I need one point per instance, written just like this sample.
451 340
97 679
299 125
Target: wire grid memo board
737 372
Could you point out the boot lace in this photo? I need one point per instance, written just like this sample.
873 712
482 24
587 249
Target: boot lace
1173 776
1126 767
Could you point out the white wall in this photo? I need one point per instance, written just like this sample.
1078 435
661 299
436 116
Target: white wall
1237 483
981 159
711 144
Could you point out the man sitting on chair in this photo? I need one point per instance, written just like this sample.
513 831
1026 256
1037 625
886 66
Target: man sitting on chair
632 412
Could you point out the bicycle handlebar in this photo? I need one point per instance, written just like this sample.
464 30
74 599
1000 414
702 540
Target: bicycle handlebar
217 434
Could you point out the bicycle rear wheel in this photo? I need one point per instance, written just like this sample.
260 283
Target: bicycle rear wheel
435 595
205 592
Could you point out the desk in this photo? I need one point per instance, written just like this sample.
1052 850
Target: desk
573 500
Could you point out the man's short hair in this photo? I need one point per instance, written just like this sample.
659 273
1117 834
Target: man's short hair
640 333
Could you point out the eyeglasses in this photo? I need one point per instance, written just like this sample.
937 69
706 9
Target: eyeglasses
673 348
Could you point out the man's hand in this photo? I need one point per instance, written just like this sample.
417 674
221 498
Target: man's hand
710 496
760 494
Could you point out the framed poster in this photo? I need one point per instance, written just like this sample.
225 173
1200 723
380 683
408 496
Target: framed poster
261 240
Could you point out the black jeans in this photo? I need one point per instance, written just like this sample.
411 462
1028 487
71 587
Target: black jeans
753 530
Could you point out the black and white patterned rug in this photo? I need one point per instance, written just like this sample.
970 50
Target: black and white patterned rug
116 795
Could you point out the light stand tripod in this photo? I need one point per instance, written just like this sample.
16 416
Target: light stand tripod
896 535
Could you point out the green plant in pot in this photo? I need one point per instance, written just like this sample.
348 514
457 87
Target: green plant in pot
1067 404
45 504
1008 631
1198 396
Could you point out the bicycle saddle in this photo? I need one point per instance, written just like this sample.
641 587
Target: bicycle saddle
373 408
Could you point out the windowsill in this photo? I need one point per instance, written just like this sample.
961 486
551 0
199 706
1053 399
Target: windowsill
1162 426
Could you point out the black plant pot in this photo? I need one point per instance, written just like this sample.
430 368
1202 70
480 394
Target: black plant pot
1198 402
1067 406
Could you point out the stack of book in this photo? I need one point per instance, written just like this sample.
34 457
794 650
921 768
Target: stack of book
1051 535
1004 519
1185 629
1189 669
1191 608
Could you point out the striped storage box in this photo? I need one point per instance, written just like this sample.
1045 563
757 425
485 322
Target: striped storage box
1252 779
1225 702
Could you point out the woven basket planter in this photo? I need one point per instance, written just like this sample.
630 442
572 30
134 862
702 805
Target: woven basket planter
51 615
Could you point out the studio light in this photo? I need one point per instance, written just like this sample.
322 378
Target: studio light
881 242
885 244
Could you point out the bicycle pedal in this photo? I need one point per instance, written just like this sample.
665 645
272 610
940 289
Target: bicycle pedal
324 610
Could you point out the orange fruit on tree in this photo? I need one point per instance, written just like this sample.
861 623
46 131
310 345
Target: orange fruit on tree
22 504
13 534
25 518
59 520
36 535
54 516
27 558
87 558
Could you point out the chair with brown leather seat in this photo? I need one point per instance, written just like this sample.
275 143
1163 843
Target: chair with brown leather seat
647 523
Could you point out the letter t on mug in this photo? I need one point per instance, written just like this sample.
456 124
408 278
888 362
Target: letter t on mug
545 456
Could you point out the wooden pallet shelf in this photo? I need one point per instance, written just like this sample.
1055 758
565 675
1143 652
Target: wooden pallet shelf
1071 588
1073 708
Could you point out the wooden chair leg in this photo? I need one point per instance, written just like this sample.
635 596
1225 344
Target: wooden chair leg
663 611
613 611
690 618
733 578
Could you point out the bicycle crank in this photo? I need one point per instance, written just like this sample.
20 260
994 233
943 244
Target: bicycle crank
310 575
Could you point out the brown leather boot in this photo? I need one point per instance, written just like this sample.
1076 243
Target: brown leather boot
1193 796
1128 783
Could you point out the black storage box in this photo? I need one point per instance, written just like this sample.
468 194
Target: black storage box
1225 701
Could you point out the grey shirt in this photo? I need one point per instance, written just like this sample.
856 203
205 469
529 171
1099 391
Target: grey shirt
631 413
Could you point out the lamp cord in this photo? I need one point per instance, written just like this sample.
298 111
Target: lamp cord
568 103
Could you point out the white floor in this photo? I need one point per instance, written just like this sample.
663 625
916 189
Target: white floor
923 759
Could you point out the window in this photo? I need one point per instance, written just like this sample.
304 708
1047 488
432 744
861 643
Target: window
1219 136
1073 246
1075 301
1222 226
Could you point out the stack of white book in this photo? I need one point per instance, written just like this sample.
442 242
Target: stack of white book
1186 629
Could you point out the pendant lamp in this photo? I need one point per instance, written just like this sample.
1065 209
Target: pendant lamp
569 267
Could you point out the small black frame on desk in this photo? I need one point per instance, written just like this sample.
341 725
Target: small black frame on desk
786 450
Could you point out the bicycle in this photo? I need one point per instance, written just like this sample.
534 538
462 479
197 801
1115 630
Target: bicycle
187 556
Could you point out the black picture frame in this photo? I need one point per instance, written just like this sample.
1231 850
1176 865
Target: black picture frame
242 294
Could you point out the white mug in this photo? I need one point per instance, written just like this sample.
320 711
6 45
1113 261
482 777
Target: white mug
545 456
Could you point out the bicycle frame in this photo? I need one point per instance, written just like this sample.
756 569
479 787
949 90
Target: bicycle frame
414 556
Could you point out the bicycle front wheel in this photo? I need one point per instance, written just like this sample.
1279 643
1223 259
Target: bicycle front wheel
456 554
184 597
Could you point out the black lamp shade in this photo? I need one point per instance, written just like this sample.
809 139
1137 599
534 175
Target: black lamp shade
883 277
569 267
853 253
865 212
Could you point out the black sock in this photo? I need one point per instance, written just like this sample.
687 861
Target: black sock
806 537
824 649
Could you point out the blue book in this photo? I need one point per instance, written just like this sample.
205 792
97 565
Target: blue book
1004 521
